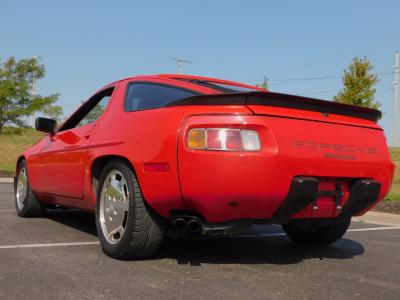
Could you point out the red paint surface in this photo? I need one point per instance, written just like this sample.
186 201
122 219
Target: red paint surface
171 176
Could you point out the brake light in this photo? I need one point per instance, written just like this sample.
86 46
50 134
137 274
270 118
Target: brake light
223 139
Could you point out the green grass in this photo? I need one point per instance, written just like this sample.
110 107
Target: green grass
13 142
395 197
394 194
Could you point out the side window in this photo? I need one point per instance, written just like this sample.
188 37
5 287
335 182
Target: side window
90 111
142 96
95 113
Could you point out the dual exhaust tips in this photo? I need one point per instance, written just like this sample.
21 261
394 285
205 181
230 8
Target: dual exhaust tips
191 224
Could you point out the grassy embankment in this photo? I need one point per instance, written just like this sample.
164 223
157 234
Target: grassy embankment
12 144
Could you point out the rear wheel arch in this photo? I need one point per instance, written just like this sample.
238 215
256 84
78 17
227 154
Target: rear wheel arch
98 165
19 160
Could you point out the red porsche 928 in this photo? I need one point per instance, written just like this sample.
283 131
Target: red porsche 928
194 156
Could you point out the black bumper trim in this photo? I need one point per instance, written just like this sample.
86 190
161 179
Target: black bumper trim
303 191
363 193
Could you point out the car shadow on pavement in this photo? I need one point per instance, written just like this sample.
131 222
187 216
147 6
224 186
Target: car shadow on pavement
235 250
253 250
77 219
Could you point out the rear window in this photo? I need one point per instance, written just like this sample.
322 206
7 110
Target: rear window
142 96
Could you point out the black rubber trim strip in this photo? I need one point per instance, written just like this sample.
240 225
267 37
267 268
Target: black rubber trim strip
282 100
303 191
207 84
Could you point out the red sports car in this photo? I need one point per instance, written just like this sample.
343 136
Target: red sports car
194 156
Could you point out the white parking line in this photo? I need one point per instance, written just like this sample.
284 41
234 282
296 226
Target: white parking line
47 245
240 236
373 228
6 210
6 180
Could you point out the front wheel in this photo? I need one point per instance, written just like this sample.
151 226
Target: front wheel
126 226
26 203
311 233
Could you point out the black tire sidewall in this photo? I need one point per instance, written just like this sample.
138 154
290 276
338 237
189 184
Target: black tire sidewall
323 236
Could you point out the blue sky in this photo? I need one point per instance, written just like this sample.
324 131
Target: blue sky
87 44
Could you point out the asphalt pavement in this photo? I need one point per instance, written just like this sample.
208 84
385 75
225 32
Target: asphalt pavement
58 257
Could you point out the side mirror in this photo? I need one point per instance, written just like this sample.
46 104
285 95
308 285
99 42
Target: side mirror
45 125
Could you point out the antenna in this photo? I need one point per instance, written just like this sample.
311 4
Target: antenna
180 62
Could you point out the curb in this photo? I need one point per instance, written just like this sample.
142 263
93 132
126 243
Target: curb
6 180
380 218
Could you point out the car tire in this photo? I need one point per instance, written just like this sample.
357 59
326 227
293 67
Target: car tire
26 203
141 231
311 233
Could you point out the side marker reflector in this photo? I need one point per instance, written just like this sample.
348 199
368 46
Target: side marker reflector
156 167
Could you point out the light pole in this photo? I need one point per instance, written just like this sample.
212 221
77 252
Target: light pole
396 98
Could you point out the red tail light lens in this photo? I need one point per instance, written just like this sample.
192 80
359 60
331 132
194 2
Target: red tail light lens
223 139
233 140
214 139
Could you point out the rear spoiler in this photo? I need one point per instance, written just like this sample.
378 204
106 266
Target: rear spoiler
282 100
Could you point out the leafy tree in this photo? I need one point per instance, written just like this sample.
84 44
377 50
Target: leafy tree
17 101
53 111
93 115
359 82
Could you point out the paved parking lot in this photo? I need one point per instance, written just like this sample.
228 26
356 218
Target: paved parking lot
59 257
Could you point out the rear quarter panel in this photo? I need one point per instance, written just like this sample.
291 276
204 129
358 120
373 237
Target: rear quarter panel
148 136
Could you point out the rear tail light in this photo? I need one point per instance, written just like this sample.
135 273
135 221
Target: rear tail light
223 139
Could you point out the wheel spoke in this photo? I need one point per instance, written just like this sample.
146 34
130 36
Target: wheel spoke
122 206
115 183
119 230
114 219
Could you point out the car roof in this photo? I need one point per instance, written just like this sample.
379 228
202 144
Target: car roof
180 77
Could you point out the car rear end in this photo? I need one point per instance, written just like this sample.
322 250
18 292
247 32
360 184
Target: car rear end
314 159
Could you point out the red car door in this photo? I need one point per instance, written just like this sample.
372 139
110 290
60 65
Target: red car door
64 157
62 161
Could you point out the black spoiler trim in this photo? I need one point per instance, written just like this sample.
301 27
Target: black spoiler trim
282 100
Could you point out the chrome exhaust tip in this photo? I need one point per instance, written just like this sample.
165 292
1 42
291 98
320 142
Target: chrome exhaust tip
194 226
179 224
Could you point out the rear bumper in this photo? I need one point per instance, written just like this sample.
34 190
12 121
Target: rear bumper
227 186
304 198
